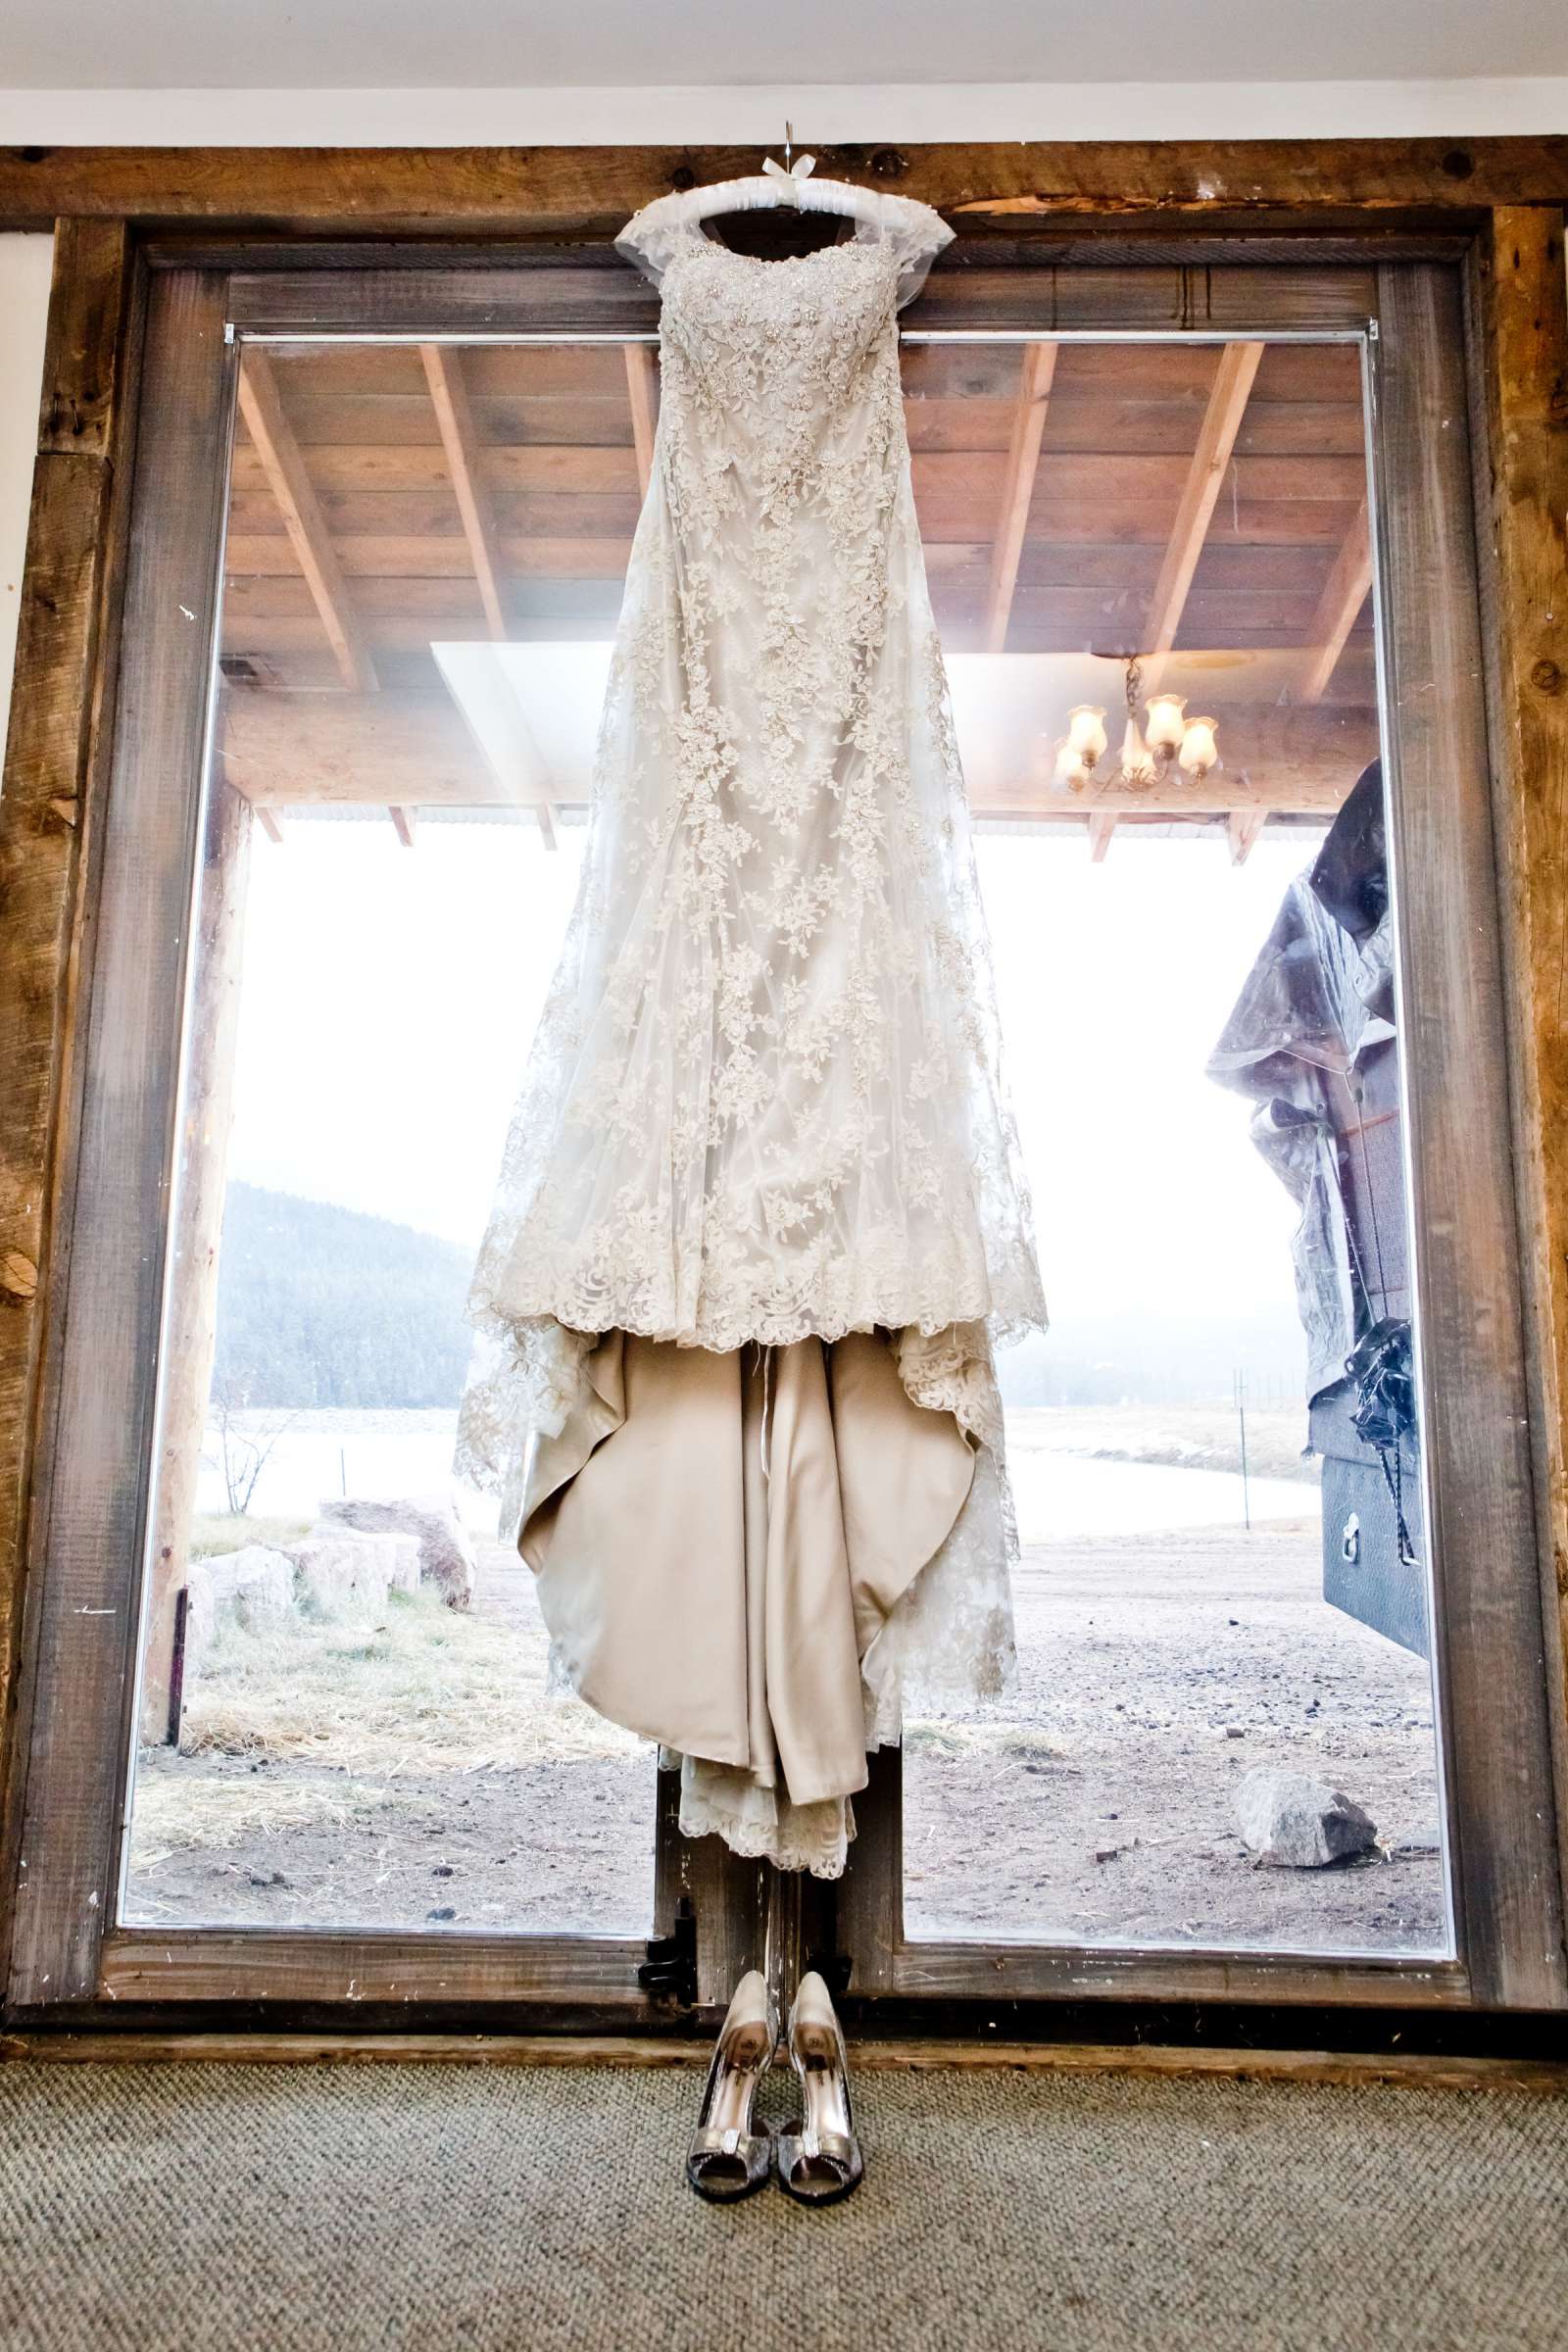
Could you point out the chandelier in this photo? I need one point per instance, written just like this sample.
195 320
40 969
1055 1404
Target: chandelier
1172 740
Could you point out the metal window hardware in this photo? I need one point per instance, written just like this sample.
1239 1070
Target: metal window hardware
834 1969
670 1972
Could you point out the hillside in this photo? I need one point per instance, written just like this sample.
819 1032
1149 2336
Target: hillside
323 1305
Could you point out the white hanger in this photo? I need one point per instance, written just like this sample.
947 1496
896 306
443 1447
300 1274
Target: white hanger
778 184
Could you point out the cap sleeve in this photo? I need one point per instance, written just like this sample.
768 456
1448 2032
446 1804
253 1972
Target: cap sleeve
917 235
650 238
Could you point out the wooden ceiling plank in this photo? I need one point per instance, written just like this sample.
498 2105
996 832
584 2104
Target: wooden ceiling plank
1019 488
449 397
303 520
1232 387
1345 592
642 389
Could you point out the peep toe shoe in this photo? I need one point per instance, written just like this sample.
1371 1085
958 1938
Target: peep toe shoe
731 2153
820 2163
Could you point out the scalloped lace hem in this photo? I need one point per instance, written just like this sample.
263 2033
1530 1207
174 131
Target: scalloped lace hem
717 1800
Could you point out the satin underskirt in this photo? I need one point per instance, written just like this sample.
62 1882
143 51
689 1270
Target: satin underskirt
722 1543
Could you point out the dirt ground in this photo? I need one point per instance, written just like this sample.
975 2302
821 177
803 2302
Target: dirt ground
419 1774
1149 1682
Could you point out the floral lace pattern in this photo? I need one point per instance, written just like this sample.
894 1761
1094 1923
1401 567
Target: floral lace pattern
765 1097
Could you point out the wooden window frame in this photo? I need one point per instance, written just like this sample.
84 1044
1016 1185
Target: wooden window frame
1490 214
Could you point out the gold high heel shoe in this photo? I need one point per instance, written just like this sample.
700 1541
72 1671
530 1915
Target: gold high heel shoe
821 2162
730 2153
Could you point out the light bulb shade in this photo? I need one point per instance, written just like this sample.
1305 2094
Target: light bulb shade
1070 769
1136 763
1085 731
1164 716
1199 752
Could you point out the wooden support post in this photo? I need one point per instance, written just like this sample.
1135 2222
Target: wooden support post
1101 825
1242 827
191 1322
1520 340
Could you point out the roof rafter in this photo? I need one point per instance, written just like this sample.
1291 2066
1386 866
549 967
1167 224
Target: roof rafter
291 486
1233 377
1023 456
642 388
449 397
1345 592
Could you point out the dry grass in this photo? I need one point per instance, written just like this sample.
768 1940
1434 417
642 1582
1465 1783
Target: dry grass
998 1740
422 1690
178 1814
214 1534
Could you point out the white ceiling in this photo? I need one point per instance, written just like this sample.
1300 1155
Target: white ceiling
486 44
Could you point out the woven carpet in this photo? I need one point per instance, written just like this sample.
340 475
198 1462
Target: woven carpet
324 2209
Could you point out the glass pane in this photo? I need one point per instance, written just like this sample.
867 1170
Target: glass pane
353 1667
1221 1731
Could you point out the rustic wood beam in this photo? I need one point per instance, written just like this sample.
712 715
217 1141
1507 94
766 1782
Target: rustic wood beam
414 749
1345 592
1101 825
537 190
1018 485
642 390
279 454
1234 374
49 813
270 822
1520 309
449 397
409 750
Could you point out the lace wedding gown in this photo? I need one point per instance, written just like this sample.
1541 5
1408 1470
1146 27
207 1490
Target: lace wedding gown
761 1215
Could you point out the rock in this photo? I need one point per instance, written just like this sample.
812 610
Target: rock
252 1587
446 1557
1417 1846
339 1573
1298 1823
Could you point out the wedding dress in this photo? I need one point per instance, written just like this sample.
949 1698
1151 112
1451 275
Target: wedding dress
762 1216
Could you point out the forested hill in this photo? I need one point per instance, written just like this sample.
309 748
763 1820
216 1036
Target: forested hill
322 1305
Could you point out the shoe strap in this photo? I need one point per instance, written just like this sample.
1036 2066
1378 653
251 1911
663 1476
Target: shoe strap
733 2142
798 2147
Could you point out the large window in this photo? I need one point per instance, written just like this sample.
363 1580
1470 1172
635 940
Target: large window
1275 1552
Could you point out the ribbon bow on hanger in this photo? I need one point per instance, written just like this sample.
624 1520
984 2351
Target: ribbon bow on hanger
802 168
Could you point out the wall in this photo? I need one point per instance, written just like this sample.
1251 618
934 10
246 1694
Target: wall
643 117
24 302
